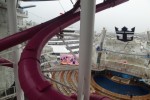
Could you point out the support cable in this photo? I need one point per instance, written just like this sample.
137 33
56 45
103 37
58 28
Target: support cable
61 6
72 2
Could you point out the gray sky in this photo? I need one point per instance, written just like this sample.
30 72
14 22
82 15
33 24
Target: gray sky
134 13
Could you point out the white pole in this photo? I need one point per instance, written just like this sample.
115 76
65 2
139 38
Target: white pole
101 47
148 47
102 40
12 24
85 48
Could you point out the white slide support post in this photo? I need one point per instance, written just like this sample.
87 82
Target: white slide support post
85 48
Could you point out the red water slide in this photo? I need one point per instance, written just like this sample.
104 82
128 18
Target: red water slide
33 83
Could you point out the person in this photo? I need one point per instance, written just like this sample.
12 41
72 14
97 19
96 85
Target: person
131 96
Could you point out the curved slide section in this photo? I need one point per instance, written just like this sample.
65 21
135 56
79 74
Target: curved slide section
31 79
35 86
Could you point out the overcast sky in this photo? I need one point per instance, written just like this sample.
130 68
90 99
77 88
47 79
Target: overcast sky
134 13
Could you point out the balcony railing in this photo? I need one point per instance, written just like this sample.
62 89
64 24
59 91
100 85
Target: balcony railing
8 93
136 70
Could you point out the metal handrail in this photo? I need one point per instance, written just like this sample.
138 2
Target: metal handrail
60 83
123 64
5 93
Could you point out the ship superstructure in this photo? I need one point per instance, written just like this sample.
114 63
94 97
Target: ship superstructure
7 73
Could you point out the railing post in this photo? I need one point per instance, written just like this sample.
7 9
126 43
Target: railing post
14 88
5 92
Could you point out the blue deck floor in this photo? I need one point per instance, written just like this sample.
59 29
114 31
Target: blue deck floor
120 88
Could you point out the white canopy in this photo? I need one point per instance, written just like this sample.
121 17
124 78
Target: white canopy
59 49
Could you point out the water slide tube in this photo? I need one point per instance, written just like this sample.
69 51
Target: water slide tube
35 86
